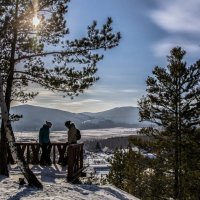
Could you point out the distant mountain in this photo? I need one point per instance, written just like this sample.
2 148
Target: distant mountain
34 117
127 115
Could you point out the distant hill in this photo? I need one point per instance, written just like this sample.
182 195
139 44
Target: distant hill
127 115
35 116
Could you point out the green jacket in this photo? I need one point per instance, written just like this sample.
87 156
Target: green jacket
44 135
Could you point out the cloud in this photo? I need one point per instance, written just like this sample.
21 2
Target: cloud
66 104
98 89
163 47
178 16
129 91
86 101
180 19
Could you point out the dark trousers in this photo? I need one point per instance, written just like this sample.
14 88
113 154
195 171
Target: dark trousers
45 157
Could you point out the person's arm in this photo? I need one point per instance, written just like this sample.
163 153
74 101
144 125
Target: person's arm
49 137
69 136
40 137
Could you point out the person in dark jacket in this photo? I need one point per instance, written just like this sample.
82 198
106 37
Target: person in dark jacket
44 143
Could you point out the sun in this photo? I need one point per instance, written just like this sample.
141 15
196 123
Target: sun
36 21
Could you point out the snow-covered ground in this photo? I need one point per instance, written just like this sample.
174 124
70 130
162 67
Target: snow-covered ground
55 187
98 167
53 177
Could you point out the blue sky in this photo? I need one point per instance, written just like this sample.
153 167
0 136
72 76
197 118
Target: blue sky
149 28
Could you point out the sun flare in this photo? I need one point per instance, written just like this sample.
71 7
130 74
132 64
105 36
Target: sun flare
36 21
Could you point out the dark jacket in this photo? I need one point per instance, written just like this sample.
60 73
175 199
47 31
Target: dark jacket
44 135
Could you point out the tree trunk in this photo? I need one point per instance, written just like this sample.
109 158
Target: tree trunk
28 174
4 145
3 149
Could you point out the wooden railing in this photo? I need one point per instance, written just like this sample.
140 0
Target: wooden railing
75 161
32 153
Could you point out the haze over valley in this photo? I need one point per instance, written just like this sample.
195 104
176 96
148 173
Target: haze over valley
34 117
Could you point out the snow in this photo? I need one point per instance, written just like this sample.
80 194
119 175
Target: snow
61 136
55 187
53 177
150 155
98 163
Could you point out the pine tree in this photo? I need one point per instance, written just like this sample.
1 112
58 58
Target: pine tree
130 172
172 104
25 48
192 166
135 178
116 175
98 147
28 174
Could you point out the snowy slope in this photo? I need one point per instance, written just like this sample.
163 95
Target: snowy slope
54 177
56 187
127 114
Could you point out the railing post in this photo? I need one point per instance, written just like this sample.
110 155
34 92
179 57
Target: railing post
61 151
28 154
54 153
75 161
81 156
35 153
70 162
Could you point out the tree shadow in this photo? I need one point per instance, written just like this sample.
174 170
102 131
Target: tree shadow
27 191
111 191
2 177
49 173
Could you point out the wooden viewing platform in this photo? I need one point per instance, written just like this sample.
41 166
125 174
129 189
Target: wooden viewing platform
32 153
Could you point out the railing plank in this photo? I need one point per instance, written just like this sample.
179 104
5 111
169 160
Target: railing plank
35 153
61 150
54 153
28 153
75 165
70 162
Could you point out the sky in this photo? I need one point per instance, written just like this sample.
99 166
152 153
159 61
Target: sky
149 29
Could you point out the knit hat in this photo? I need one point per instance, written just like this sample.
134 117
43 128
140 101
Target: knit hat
67 123
48 123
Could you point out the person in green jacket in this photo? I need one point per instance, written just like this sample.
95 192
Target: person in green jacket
44 143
